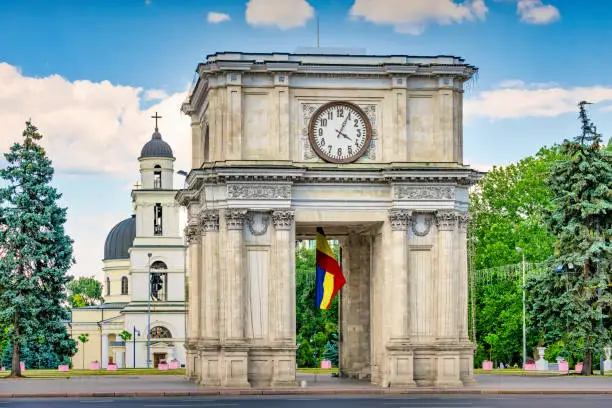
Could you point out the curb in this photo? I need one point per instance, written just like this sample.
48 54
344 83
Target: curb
301 391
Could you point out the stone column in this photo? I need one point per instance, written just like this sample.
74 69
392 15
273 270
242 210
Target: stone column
446 292
194 239
234 346
119 359
282 297
467 351
399 347
104 362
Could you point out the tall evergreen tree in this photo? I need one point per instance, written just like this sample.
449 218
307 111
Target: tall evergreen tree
573 302
36 252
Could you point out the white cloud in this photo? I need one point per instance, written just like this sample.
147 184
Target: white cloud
412 17
91 130
535 100
155 94
284 14
536 12
215 17
89 126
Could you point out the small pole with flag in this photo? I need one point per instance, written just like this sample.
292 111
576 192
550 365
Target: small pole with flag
329 277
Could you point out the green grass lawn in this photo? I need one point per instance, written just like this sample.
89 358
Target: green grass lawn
318 370
50 373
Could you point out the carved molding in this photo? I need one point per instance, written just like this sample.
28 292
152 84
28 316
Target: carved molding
424 192
400 219
193 232
259 191
210 220
235 218
283 219
258 223
421 224
446 220
464 220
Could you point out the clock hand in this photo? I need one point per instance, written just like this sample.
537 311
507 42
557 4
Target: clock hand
345 136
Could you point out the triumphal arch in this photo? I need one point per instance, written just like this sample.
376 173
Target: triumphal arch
367 147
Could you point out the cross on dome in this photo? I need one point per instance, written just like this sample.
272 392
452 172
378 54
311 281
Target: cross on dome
156 117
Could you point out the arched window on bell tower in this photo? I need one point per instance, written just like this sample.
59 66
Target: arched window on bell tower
124 285
108 286
157 177
157 219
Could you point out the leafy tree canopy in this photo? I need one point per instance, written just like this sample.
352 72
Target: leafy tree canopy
84 292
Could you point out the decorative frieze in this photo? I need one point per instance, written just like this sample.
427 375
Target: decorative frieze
259 191
424 192
283 219
210 220
235 218
193 232
400 219
464 220
421 224
258 223
446 220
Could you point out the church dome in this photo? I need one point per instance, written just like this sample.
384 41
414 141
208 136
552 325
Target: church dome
120 240
156 147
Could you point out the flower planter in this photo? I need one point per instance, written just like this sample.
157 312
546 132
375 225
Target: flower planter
62 368
22 364
487 365
94 365
162 366
563 366
111 367
174 365
578 368
530 367
326 364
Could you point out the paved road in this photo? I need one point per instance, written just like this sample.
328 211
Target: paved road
323 402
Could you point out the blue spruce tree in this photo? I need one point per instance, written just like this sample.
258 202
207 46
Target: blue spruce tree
35 253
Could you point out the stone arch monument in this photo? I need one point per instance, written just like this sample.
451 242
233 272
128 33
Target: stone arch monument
368 147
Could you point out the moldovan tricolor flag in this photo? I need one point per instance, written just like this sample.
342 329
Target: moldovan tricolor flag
329 274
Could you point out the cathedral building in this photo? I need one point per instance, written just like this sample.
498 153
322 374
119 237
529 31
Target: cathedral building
142 251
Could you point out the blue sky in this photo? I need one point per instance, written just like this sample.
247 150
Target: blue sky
89 73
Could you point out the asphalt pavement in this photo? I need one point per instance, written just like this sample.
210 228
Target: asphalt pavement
448 401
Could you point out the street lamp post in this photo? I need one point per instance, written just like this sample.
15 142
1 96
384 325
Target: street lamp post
134 344
520 250
149 315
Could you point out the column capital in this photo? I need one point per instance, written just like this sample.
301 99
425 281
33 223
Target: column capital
464 219
283 219
235 218
400 219
193 232
210 220
446 220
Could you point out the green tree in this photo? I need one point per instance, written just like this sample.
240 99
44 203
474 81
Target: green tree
83 338
125 335
508 207
572 303
84 292
36 252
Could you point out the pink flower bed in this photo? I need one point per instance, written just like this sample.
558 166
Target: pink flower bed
175 364
111 367
162 366
62 367
487 365
94 365
530 367
564 366
578 367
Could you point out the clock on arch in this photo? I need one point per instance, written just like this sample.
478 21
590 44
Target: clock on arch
339 132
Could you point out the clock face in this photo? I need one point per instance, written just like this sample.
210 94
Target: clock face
339 132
